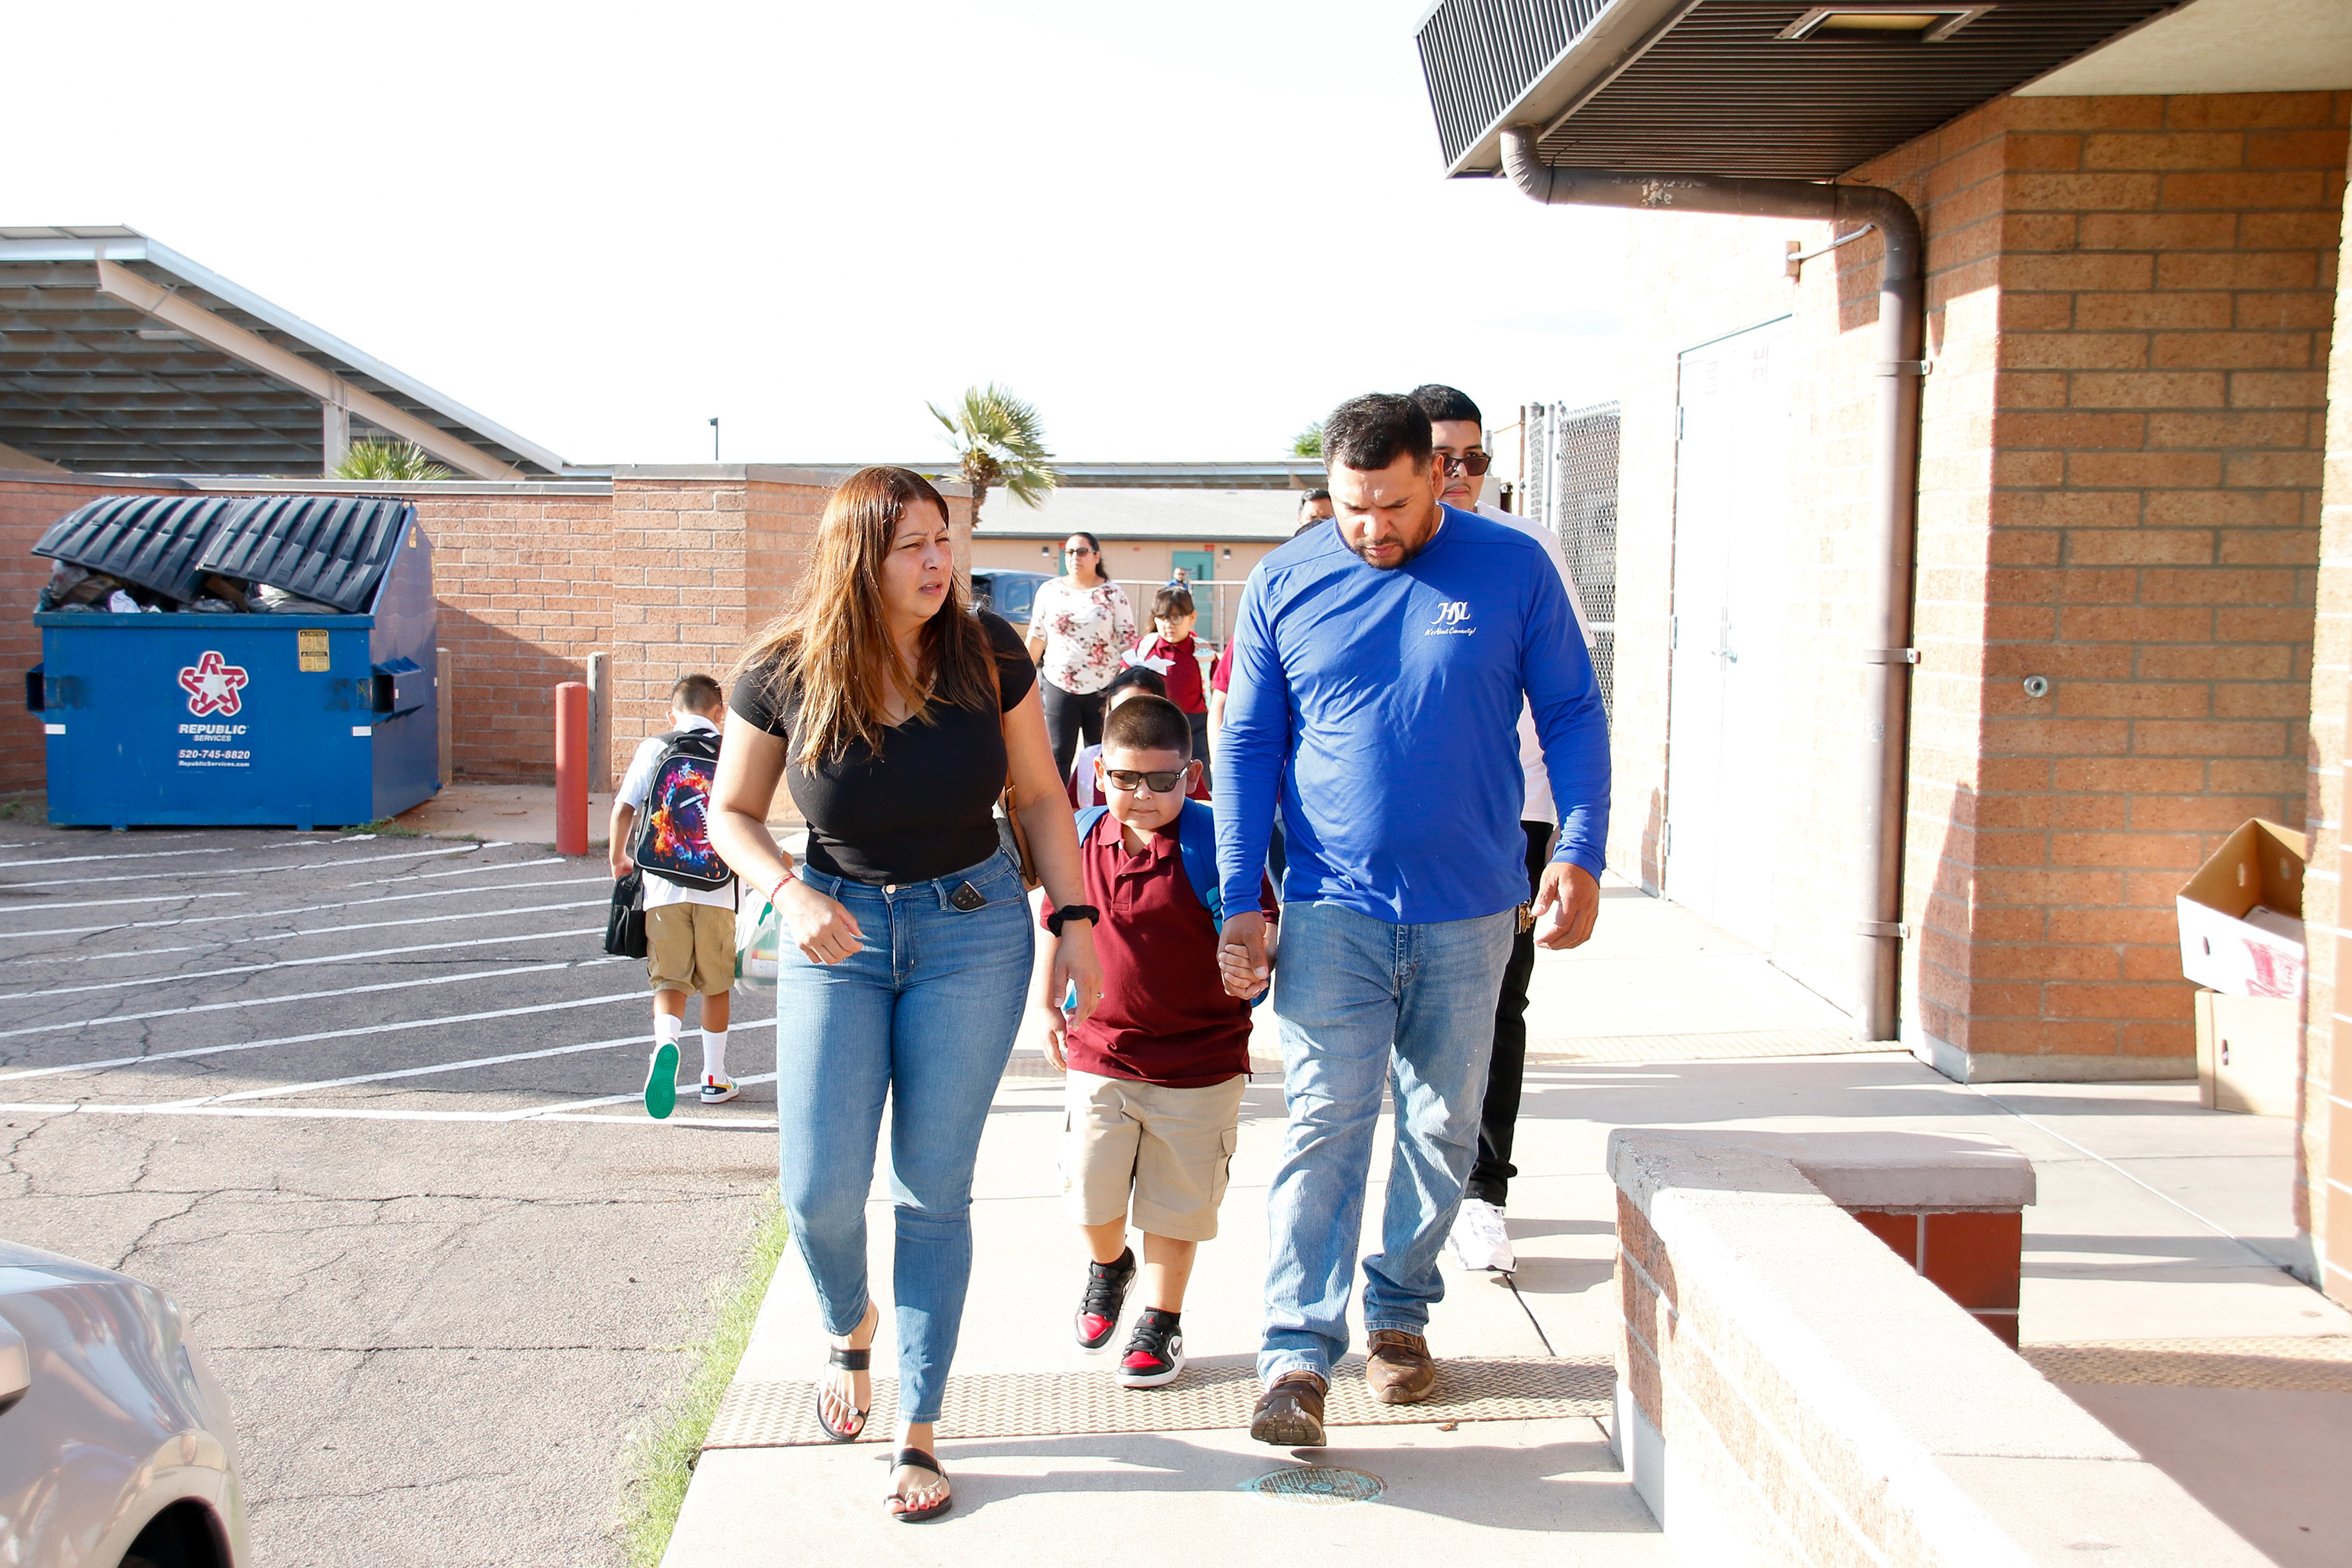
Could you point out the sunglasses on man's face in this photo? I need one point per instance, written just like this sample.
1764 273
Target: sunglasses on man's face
1473 463
1126 779
1082 550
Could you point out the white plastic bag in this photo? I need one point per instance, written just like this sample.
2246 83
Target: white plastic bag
759 947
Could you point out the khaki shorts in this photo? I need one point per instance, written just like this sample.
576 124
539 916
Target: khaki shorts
1171 1148
691 947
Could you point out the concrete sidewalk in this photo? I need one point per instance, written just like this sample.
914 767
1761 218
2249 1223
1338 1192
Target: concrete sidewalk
2158 1224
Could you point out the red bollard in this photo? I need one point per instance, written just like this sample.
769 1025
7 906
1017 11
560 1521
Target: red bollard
571 768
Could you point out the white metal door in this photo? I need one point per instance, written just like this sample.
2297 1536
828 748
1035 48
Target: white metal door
1726 782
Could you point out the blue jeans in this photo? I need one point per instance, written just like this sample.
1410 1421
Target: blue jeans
1362 1003
922 1015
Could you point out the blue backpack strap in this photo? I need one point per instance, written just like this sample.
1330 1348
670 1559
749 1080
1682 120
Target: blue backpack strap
1196 845
1087 816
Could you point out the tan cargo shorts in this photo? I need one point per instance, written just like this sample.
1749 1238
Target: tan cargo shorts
1171 1149
691 947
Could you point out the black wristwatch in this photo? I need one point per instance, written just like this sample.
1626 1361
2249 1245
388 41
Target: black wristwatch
1072 912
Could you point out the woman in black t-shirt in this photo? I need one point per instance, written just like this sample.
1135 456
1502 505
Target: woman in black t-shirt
895 715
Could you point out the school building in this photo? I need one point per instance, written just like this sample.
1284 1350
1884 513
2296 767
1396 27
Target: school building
1213 521
1983 544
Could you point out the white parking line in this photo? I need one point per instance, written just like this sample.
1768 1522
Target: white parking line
338 1113
44 907
276 1090
161 854
637 995
256 870
468 871
553 1111
298 963
303 997
267 914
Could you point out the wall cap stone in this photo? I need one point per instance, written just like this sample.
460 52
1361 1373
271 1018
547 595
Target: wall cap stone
1991 1460
827 476
248 484
1941 1173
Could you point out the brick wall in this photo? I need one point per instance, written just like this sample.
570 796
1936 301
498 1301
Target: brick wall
27 506
668 570
2129 303
2166 280
525 583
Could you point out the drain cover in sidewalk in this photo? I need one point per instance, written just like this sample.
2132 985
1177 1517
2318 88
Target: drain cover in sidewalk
1323 1486
1206 1398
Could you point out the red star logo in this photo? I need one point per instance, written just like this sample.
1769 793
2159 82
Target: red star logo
213 685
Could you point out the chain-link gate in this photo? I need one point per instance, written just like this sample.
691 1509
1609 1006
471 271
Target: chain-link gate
1570 487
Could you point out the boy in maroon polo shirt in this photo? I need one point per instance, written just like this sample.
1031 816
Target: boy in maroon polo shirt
1156 1074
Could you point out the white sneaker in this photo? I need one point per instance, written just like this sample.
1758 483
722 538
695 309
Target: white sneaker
718 1091
1478 1241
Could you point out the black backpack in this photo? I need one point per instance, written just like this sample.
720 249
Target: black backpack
673 831
624 926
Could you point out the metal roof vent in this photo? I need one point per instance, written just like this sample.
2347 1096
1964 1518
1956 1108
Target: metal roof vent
1922 23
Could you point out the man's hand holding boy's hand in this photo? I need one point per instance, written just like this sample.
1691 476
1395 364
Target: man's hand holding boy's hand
1057 1033
1244 961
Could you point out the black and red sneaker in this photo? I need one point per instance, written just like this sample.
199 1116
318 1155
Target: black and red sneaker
1155 1352
1099 1309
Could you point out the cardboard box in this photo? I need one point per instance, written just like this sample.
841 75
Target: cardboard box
2248 1056
2241 914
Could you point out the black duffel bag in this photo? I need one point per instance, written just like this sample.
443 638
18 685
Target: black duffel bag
625 928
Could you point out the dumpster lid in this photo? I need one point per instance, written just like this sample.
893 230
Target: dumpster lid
155 541
332 549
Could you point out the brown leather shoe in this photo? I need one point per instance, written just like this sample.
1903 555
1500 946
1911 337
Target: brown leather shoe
1290 1414
1397 1367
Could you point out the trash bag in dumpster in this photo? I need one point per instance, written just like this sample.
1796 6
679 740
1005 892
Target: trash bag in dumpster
149 542
294 718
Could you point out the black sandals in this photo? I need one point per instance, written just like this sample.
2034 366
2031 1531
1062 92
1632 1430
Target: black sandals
933 1510
848 1360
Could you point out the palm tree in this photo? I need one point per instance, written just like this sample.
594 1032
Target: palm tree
396 460
1308 443
1001 443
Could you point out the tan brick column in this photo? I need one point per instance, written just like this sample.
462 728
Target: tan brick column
2324 1152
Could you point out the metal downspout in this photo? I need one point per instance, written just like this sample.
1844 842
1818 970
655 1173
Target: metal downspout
1894 492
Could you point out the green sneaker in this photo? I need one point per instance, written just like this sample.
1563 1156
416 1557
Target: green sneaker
661 1081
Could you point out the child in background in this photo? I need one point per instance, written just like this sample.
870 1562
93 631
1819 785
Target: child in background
1084 786
1170 650
1156 1073
689 932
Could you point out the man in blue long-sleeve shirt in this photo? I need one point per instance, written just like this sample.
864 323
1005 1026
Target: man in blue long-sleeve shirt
1382 664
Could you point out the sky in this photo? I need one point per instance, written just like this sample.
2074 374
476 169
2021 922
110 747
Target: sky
1181 232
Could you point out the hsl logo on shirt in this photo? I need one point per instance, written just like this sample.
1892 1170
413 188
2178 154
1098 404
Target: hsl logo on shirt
1452 618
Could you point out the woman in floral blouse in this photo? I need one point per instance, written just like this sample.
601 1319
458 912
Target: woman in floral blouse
1078 626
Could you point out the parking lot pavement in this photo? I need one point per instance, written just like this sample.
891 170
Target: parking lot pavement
368 1109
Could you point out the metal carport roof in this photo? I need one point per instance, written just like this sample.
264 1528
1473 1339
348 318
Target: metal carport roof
120 355
1716 85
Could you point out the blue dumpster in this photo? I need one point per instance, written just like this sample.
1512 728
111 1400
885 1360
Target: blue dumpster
291 719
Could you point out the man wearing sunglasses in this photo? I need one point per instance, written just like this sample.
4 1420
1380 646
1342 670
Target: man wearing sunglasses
1384 662
1479 1240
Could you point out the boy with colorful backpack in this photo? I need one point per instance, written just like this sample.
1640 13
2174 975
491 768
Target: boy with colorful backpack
1156 1073
660 829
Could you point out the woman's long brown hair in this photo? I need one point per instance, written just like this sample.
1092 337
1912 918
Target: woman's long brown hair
833 644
